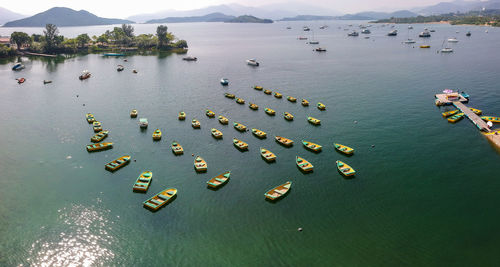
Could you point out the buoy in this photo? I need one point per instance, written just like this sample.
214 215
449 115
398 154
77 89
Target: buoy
192 155
299 229
373 145
355 121
76 95
84 105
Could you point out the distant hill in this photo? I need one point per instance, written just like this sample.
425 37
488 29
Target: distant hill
308 18
378 15
458 6
7 15
249 19
212 17
62 16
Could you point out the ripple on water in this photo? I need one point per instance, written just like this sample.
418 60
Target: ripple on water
80 237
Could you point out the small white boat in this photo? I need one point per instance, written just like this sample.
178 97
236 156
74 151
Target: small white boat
143 123
452 40
313 42
410 27
190 58
446 50
409 41
252 62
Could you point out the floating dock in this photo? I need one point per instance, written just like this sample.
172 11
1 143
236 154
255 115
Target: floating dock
480 124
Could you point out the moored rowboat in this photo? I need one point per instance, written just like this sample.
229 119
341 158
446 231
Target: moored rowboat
305 103
270 112
210 113
90 117
133 113
456 117
267 92
157 135
288 116
490 118
253 106
240 127
240 100
143 181
449 113
181 116
228 95
177 148
278 95
257 87
344 149
200 164
311 146
223 120
259 133
313 121
477 111
117 163
345 169
216 133
195 123
303 164
267 155
291 99
161 199
99 136
321 106
279 191
97 126
99 147
284 141
240 144
219 180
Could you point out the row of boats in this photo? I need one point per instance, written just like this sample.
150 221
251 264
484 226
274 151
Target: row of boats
455 115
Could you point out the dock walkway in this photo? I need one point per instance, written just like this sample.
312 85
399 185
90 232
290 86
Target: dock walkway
472 116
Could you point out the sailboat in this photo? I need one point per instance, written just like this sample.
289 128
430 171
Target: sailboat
312 39
445 49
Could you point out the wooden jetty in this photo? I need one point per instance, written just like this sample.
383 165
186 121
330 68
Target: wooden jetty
448 99
38 54
480 124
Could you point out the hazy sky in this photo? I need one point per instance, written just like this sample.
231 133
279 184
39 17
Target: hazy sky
125 8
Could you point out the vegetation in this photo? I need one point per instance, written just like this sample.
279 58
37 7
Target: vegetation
20 39
249 19
487 17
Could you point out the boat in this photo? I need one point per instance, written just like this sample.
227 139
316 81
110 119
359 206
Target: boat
47 81
312 146
306 29
209 113
99 147
181 116
366 31
313 121
18 66
452 40
468 34
432 30
177 148
284 141
85 75
216 133
291 99
267 155
344 149
323 27
200 164
259 133
319 49
392 33
240 127
120 68
113 55
449 113
143 123
446 50
424 34
97 126
157 135
303 164
288 28
161 199
353 33
224 81
252 62
133 113
314 42
490 118
189 58
228 95
345 169
21 80
253 106
240 101
278 191
195 123
409 41
98 137
456 117
219 180
143 181
465 95
425 46
223 120
90 117
258 87
268 92
288 116
477 111
278 95
321 106
410 27
270 112
301 38
134 71
117 163
305 103
240 144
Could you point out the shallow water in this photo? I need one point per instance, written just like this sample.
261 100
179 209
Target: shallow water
425 194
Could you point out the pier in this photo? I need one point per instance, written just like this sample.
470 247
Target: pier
480 124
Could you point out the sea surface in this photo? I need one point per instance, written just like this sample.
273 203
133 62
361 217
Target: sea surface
426 192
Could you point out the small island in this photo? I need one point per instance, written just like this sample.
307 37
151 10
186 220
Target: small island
485 18
248 19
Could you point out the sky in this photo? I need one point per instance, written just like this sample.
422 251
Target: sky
125 8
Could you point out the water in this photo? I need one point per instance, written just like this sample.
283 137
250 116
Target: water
425 194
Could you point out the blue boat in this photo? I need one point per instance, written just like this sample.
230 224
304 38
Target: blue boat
224 81
465 95
18 66
113 55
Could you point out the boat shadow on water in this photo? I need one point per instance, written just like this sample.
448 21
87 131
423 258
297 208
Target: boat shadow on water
344 154
305 172
218 187
346 177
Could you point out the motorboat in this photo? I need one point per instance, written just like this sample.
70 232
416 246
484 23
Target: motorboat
409 41
190 58
393 33
306 29
452 40
252 62
18 66
446 50
468 34
85 75
353 33
224 81
319 49
425 34
366 31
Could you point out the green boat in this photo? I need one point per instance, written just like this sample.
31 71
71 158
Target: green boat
117 163
240 127
143 181
99 136
489 118
345 169
161 199
456 117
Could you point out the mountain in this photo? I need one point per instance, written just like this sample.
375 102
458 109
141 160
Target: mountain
212 17
458 6
62 16
307 18
7 15
370 15
249 19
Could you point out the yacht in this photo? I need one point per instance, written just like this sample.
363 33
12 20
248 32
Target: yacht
393 33
319 49
425 34
410 27
252 62
468 33
190 58
446 50
409 41
353 33
453 40
306 29
224 81
323 27
366 31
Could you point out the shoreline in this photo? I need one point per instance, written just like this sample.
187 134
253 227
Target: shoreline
435 22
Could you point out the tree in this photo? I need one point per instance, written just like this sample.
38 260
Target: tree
103 38
161 33
36 38
52 39
128 30
82 39
181 44
145 40
20 38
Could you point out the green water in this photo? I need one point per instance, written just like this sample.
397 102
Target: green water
425 194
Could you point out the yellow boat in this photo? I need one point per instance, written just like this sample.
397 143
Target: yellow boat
288 116
143 181
284 141
344 149
216 133
240 144
177 148
210 113
497 132
182 115
456 117
200 164
240 101
157 134
312 146
267 155
345 169
303 164
223 120
90 117
259 133
256 87
117 163
267 92
425 46
99 147
133 113
490 118
291 99
477 111
240 127
270 112
219 180
253 106
449 113
313 121
195 123
99 136
305 103
228 95
321 106
278 95
97 126
279 191
161 199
